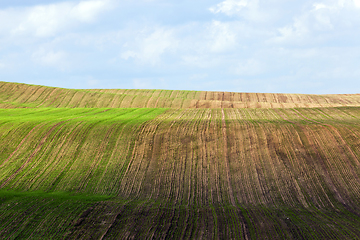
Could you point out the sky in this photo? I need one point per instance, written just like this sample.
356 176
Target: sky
275 46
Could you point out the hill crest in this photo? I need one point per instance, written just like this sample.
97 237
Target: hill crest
19 95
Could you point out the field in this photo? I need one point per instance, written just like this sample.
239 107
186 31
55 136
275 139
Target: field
152 164
23 95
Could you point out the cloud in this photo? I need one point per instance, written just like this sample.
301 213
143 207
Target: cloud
191 44
230 7
222 36
47 20
273 44
309 26
52 58
357 3
297 32
150 46
255 11
87 11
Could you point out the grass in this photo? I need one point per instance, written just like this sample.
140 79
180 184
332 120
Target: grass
13 196
43 215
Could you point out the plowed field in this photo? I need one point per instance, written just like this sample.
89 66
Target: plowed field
13 95
131 164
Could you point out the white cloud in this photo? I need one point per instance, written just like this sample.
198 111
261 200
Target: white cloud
53 58
293 44
222 36
297 32
328 16
229 7
87 11
337 4
47 20
149 47
318 6
357 3
250 10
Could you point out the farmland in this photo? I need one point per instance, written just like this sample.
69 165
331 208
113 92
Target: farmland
13 95
125 164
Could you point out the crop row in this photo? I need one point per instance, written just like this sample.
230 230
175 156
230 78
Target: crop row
181 173
38 215
14 95
186 157
63 216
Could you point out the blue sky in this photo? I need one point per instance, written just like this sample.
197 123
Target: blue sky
231 45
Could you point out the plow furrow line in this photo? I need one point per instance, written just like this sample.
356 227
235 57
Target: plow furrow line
209 156
200 130
34 96
114 153
167 154
20 145
154 152
45 161
238 160
36 150
300 169
150 98
260 174
147 129
226 158
346 164
83 134
53 166
248 163
308 145
342 165
204 195
272 163
47 98
183 135
323 166
25 175
97 158
21 94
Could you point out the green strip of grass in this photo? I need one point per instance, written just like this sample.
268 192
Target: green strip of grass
11 195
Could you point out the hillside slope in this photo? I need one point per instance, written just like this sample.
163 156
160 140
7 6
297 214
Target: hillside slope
230 173
14 95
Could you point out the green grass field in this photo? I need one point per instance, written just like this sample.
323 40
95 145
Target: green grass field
84 168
